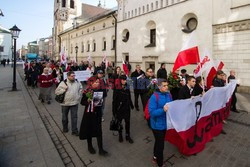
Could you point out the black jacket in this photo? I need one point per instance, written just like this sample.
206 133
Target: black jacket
122 103
197 90
218 82
162 73
185 93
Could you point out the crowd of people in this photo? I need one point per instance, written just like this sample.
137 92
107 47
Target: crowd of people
153 91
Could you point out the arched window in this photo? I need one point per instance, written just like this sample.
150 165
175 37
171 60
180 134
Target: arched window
113 44
72 4
63 3
82 47
88 44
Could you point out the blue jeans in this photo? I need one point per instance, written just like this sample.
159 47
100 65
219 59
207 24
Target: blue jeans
65 112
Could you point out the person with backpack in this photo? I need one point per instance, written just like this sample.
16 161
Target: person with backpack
157 110
73 90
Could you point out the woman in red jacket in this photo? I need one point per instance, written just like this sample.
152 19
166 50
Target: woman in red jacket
46 83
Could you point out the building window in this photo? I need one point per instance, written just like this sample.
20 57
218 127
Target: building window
72 4
132 13
125 15
143 9
113 43
94 46
161 3
156 5
63 3
1 48
71 48
113 22
135 12
93 28
87 30
104 44
147 7
76 35
88 47
139 11
172 1
82 47
128 14
166 2
125 35
152 6
104 25
153 37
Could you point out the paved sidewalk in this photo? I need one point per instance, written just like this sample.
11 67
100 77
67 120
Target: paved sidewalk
24 140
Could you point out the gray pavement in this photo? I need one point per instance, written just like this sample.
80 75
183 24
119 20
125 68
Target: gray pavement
232 149
24 140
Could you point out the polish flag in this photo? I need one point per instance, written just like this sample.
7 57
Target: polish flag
125 68
90 60
189 54
191 123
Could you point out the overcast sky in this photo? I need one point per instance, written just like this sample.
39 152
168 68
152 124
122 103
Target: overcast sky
34 17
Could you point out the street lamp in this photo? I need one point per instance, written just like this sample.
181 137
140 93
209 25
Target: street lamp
76 48
15 33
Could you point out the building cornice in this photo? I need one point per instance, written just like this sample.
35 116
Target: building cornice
241 25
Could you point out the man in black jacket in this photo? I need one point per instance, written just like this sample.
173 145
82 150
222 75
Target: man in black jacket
234 98
162 72
186 91
136 76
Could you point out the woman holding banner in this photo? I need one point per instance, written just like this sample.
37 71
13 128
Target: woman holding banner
158 122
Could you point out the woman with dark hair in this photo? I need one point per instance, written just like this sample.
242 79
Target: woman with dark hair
122 106
91 125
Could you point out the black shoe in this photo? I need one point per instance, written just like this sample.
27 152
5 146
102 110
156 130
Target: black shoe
120 138
128 138
102 152
223 132
75 133
65 130
91 150
42 101
49 102
236 111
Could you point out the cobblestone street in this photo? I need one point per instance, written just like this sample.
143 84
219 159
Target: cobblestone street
31 135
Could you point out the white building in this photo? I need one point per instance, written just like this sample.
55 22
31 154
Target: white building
151 32
5 44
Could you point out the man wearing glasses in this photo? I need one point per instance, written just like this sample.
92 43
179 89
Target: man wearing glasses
73 90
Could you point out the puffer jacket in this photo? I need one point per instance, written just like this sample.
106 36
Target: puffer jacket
73 93
157 115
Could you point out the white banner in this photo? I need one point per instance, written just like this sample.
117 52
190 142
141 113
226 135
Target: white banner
80 75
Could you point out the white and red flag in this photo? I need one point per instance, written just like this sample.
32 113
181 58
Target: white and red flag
125 67
189 54
191 123
63 57
90 61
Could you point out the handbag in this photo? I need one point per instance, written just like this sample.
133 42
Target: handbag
115 125
60 98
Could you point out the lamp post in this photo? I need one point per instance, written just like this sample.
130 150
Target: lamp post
15 33
76 48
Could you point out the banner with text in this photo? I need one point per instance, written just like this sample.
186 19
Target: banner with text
191 123
80 75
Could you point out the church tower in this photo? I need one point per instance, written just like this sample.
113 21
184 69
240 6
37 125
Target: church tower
64 13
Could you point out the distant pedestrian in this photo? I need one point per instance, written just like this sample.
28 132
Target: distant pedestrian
199 88
8 61
158 122
46 82
73 90
162 72
4 62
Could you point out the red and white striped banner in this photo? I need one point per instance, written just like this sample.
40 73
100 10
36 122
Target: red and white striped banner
191 123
